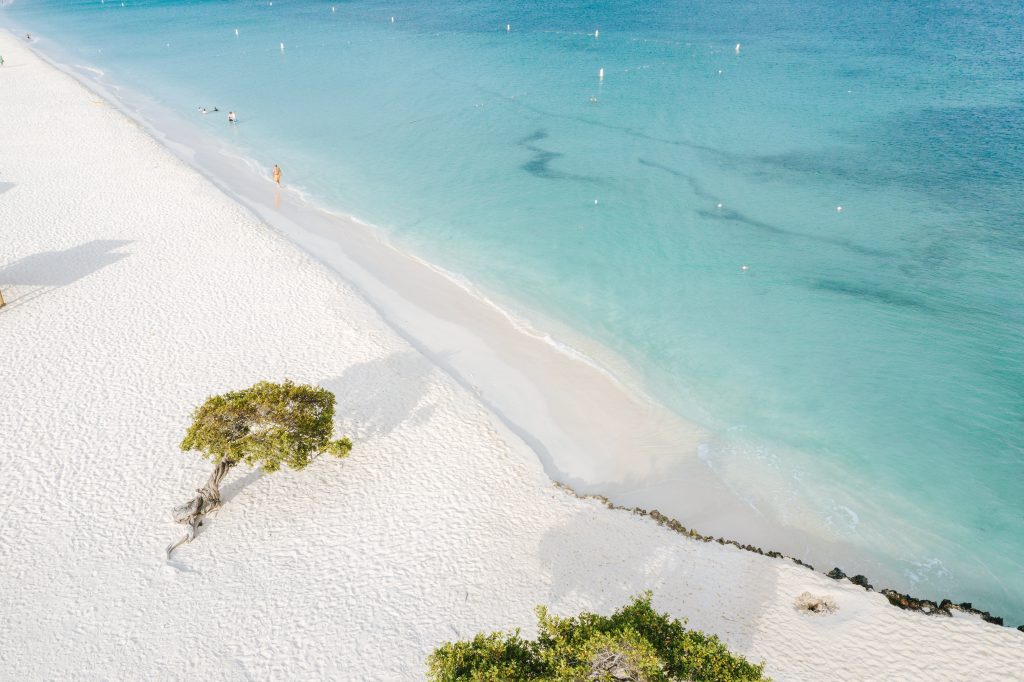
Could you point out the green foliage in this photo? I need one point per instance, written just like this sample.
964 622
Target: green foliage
267 425
496 657
635 640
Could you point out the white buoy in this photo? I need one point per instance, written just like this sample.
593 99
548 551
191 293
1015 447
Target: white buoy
596 33
392 20
595 202
236 32
719 72
508 27
600 74
737 48
839 209
334 9
744 268
719 206
282 47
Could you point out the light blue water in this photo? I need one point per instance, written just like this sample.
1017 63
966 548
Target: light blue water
865 374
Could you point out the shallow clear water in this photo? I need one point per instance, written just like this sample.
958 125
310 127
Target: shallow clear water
864 374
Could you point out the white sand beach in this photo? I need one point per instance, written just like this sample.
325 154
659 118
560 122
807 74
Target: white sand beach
135 288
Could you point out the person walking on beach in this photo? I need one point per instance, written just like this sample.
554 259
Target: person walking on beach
277 174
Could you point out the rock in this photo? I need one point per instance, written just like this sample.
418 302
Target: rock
905 601
862 581
836 574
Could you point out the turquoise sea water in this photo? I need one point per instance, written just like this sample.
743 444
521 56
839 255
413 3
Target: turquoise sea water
864 375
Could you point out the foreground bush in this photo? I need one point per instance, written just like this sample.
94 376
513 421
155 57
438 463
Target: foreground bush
634 644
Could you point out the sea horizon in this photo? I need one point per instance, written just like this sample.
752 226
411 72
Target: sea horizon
844 334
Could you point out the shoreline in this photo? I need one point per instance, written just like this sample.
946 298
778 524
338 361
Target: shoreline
900 600
128 307
486 349
533 383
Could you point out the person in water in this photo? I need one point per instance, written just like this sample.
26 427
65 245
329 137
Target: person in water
277 174
231 117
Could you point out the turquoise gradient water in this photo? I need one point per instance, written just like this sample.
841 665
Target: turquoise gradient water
864 374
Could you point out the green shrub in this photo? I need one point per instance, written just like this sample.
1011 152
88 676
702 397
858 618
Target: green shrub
635 643
487 658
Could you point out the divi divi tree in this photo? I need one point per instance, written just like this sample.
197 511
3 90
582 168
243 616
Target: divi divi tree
266 425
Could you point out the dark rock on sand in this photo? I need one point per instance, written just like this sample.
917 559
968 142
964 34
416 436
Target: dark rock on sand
905 601
862 581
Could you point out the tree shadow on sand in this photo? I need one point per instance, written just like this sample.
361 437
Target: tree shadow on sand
240 483
595 559
32 276
374 398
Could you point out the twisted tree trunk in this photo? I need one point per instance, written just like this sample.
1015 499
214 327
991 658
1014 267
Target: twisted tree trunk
207 500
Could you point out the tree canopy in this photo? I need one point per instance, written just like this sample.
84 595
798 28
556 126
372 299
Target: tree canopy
634 644
266 425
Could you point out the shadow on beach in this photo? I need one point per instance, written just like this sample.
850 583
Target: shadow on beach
376 397
593 562
240 483
35 275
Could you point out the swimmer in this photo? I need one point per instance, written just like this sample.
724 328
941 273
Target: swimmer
216 109
277 174
231 117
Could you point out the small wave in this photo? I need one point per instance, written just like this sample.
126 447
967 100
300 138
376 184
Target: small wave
842 518
929 569
91 69
521 324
